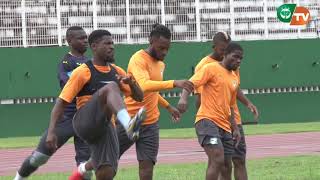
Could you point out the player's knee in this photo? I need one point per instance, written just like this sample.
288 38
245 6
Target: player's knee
146 168
227 163
111 86
239 162
105 172
218 161
215 155
37 159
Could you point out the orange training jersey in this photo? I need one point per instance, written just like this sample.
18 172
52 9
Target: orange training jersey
148 72
79 77
218 95
237 115
204 61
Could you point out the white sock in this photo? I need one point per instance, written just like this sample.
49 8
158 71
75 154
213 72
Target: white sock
82 168
124 118
18 177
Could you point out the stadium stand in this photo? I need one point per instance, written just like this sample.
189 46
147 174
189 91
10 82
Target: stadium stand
26 23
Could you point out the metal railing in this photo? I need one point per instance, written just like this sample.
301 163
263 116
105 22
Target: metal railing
25 23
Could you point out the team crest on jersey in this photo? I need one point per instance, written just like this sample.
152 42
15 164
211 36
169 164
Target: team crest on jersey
234 83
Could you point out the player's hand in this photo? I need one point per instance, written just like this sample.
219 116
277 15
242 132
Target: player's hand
126 79
184 84
254 110
182 105
236 137
175 114
51 141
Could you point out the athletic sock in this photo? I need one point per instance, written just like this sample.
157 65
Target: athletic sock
82 168
124 118
18 177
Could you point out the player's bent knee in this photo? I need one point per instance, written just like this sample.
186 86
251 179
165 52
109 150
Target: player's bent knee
227 163
105 172
215 154
111 86
37 159
238 162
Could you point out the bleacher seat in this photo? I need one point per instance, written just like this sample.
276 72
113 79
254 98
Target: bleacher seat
180 28
180 17
80 20
117 30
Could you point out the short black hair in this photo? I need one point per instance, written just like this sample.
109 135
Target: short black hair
160 30
72 28
232 47
96 35
221 37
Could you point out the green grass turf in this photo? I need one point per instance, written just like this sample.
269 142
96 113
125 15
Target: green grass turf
249 129
280 168
19 142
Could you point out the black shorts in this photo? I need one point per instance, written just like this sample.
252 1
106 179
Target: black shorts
92 124
124 142
210 134
147 146
241 150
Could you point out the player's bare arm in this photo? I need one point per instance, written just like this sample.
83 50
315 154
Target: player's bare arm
56 114
183 101
175 113
245 101
184 84
235 130
136 91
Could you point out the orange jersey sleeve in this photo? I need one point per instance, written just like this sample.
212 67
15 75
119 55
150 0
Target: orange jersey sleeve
148 72
233 102
162 102
139 68
237 72
79 77
201 77
237 114
125 88
200 65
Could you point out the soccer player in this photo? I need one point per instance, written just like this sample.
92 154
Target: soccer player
215 122
147 67
124 142
220 42
97 84
77 40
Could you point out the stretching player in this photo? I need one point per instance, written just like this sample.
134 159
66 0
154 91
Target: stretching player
77 40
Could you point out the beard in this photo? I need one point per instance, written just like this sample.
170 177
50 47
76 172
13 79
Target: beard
233 67
153 54
109 60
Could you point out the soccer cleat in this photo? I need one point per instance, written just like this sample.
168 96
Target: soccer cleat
135 124
76 175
